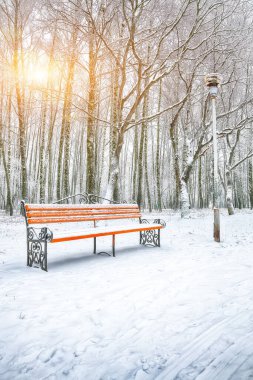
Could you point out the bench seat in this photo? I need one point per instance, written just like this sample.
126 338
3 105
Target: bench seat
103 231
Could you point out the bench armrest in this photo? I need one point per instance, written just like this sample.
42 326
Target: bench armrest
153 221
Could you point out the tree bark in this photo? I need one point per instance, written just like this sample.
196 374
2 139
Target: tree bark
200 192
158 160
184 199
250 181
230 205
20 101
90 148
64 143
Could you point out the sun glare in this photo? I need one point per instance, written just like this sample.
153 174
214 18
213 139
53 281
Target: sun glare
38 76
38 73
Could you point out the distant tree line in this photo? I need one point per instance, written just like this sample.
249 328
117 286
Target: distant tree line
108 97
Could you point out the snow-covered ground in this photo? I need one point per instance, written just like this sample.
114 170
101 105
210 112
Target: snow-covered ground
182 311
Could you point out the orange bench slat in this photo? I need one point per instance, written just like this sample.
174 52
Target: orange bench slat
80 219
54 213
38 207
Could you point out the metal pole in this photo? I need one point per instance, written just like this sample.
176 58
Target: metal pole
216 231
215 154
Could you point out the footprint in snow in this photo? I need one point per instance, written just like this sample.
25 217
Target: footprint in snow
150 369
55 356
95 320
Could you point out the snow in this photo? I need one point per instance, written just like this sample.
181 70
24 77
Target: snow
183 311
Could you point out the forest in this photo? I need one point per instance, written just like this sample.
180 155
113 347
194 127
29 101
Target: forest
108 97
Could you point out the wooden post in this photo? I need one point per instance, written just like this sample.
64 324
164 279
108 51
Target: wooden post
216 224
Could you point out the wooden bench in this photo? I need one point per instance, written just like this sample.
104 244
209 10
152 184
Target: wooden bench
44 214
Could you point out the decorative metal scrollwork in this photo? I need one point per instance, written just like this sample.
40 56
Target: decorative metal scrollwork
151 237
85 198
144 221
36 256
155 221
39 234
37 239
93 199
160 221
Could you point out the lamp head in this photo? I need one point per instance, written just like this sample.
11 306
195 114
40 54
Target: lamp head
213 91
213 81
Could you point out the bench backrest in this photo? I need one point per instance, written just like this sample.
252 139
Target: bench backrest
64 213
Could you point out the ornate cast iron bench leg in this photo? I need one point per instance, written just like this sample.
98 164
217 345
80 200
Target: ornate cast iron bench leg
151 238
37 240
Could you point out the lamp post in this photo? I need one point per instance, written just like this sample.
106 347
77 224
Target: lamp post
212 81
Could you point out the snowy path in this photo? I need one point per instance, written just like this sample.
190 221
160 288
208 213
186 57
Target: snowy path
181 312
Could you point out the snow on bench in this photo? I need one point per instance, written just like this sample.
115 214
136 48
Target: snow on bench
38 238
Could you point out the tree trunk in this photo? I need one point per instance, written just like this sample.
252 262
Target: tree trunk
42 147
64 143
184 198
174 143
250 180
9 206
20 102
67 117
135 163
114 168
90 148
114 171
158 163
146 168
140 168
200 194
115 118
230 205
